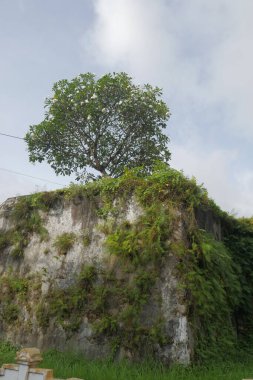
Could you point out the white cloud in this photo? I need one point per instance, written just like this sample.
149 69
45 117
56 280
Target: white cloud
231 75
231 189
21 5
200 53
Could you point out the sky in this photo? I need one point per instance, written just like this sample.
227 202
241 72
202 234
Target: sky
199 52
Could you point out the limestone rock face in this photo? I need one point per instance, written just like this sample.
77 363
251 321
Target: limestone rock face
44 268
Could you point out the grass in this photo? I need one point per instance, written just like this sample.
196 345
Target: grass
69 365
65 242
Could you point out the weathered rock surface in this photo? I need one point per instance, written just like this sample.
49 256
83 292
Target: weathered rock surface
42 261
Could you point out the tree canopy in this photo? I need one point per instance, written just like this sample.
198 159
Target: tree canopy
107 124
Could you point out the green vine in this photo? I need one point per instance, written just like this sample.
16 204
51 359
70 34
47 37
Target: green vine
215 276
26 220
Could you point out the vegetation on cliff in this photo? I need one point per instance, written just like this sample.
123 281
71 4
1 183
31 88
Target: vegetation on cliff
216 280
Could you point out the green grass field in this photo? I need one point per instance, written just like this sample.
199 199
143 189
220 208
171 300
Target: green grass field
69 365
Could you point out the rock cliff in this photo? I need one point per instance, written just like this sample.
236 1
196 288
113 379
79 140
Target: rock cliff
121 268
43 268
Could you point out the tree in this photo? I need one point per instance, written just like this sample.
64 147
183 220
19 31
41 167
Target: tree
106 124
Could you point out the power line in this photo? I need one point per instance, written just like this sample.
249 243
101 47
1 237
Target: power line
25 175
14 137
30 176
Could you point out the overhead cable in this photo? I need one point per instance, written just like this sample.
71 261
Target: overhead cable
30 176
14 137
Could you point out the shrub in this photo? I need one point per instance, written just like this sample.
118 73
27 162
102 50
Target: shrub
65 242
